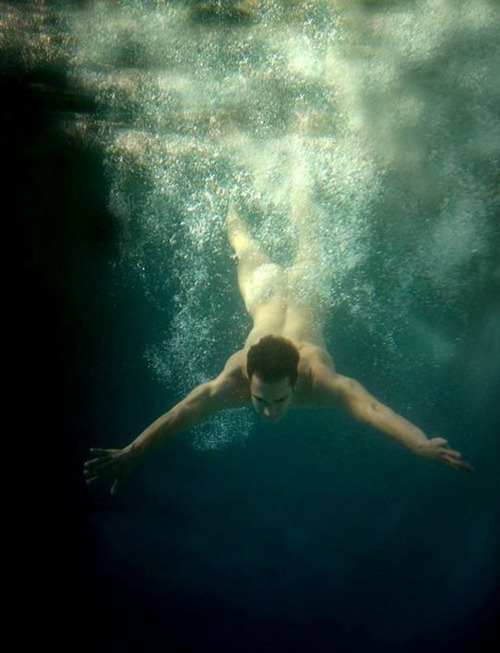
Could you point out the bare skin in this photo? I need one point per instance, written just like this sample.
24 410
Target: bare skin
275 310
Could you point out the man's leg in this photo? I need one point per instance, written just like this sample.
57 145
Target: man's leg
304 216
261 282
305 278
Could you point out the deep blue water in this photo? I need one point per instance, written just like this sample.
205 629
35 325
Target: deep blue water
318 534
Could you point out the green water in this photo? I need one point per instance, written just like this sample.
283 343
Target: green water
390 109
318 534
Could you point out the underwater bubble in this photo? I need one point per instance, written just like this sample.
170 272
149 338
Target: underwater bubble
390 112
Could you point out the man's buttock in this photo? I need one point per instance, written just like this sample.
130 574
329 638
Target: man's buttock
307 288
267 281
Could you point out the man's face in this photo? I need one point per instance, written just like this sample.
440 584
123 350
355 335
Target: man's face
271 400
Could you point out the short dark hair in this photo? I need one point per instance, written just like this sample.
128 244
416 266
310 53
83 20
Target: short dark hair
273 358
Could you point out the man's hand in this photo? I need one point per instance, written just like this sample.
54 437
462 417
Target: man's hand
437 449
110 465
115 464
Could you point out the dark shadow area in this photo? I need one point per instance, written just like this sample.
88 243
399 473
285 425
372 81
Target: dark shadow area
61 243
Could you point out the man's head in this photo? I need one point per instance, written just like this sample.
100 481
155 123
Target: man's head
272 367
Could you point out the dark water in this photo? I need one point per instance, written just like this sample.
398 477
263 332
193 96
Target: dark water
126 126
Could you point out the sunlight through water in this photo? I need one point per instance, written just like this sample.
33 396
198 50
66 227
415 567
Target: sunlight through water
390 108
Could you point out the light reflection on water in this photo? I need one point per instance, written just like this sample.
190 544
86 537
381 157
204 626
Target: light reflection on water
389 107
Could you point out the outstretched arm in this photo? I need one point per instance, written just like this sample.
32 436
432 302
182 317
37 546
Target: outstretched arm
335 389
115 464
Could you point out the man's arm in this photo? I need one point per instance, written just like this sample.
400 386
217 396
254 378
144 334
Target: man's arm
200 403
337 390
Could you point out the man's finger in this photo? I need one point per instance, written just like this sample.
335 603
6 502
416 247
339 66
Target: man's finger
459 464
98 473
467 467
98 460
98 451
99 464
93 464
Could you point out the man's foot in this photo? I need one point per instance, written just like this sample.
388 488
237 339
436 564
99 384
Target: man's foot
237 232
246 7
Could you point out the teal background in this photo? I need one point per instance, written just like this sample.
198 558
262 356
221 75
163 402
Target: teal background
319 534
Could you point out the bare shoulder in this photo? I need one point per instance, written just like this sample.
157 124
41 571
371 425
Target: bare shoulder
235 361
315 365
230 389
328 388
316 356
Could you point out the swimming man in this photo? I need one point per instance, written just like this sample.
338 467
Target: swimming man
283 363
